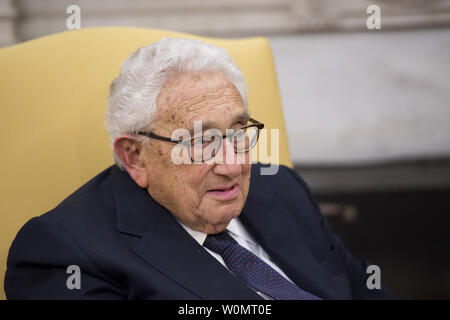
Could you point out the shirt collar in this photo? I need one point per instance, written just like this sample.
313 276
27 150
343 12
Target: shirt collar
197 235
235 228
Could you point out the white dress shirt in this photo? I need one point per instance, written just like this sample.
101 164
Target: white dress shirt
237 231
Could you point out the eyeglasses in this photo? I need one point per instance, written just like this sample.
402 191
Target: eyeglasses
206 147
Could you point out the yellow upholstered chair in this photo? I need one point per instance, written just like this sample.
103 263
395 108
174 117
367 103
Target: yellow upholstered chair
52 102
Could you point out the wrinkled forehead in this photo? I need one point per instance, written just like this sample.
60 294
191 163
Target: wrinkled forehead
206 96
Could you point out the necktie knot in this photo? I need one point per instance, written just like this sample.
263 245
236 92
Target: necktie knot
219 242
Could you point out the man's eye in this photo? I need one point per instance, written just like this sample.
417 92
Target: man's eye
239 133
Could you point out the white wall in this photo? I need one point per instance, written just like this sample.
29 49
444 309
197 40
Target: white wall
369 96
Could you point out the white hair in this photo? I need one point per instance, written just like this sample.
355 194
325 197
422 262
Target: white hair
132 95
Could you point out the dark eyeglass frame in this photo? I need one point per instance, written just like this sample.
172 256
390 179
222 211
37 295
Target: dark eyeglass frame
254 123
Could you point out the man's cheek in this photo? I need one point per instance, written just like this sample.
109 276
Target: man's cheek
201 169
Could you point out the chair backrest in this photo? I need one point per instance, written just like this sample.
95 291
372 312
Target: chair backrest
52 102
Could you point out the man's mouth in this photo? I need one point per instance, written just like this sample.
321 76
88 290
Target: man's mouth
225 193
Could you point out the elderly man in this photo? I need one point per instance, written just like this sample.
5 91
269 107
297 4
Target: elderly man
184 214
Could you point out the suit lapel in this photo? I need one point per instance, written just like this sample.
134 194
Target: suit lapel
168 247
281 236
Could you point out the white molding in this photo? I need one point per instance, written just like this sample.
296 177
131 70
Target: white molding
7 15
231 17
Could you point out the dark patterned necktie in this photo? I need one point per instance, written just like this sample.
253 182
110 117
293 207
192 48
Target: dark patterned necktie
254 271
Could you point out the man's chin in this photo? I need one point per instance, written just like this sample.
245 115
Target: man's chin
213 229
224 216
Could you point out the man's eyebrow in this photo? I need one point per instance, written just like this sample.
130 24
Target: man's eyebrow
241 117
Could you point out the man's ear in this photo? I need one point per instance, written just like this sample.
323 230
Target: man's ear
130 153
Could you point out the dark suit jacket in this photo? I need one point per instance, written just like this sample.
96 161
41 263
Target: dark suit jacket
129 247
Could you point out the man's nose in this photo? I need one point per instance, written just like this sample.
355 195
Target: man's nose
229 164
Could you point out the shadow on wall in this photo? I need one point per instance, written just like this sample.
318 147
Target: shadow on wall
403 232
